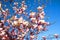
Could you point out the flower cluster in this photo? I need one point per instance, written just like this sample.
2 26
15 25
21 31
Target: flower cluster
20 28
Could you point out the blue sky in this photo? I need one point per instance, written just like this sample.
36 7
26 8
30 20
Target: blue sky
52 9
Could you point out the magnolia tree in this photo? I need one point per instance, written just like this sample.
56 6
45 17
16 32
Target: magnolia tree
22 28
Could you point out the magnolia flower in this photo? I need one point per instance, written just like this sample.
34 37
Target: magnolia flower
33 20
16 17
2 32
12 23
3 38
56 35
39 8
35 25
8 21
3 10
23 34
41 15
46 23
32 14
23 2
6 35
14 8
40 28
24 8
12 18
27 30
25 23
1 24
1 29
15 22
32 36
0 6
4 13
20 11
41 21
7 9
2 21
20 20
16 3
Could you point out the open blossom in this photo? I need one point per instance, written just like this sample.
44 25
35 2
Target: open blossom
32 14
0 6
23 2
33 20
56 35
41 21
13 17
24 7
5 37
16 17
40 27
16 3
3 12
2 32
35 25
25 23
27 30
20 11
15 22
7 9
32 36
20 20
40 8
41 15
1 29
2 21
14 8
